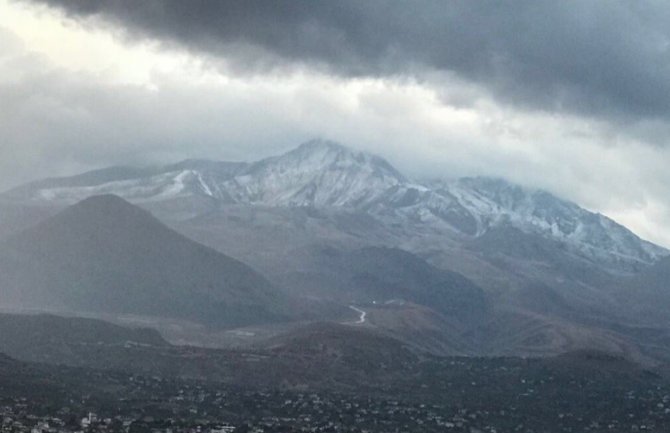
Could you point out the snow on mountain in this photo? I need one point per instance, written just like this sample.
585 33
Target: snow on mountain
318 173
189 177
158 187
323 174
495 202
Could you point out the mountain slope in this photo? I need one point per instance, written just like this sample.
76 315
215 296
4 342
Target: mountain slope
106 255
648 293
385 274
496 203
61 340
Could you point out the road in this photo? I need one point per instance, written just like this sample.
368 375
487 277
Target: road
361 318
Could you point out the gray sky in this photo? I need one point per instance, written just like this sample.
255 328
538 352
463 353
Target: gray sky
570 96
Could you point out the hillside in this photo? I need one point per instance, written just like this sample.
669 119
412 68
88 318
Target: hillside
106 255
381 274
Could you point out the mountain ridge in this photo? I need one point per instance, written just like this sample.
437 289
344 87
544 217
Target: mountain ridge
322 174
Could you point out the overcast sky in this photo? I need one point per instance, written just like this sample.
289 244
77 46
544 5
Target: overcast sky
569 96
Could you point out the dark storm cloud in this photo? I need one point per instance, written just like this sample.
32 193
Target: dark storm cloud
605 58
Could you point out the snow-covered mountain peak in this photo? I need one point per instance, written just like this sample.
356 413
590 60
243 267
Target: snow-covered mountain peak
317 173
328 155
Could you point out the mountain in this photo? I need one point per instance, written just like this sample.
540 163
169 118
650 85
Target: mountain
325 175
106 255
331 225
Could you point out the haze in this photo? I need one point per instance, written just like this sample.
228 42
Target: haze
570 97
334 216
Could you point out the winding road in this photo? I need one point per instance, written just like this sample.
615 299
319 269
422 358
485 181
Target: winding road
361 318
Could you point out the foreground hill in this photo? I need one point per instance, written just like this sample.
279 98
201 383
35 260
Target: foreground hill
70 340
317 355
106 255
323 378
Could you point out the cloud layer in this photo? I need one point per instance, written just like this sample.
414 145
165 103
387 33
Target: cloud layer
599 58
567 96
